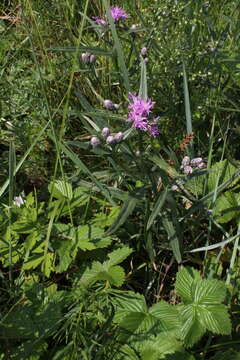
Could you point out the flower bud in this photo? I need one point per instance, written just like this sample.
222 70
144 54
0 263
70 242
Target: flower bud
108 104
95 141
92 59
143 51
133 27
118 137
85 57
110 140
146 60
105 132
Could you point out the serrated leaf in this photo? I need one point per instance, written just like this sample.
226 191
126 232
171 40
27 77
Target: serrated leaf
209 291
184 280
61 189
118 275
117 256
161 345
166 314
216 319
192 329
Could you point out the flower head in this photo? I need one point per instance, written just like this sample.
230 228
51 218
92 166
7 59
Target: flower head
118 13
139 110
18 201
153 130
99 21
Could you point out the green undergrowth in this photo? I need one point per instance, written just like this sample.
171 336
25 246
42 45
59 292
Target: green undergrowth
115 244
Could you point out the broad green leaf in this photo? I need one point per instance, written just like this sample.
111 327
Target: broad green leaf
192 329
216 319
61 189
158 347
227 207
208 291
222 171
117 275
184 280
167 316
119 255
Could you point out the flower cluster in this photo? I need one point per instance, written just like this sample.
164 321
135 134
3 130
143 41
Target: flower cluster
88 58
117 14
107 137
189 165
139 110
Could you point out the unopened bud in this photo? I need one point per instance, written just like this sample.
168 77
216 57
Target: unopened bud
95 141
85 57
92 59
118 137
105 132
110 140
108 104
143 51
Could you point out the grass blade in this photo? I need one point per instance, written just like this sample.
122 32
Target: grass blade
157 208
118 46
72 156
126 210
187 106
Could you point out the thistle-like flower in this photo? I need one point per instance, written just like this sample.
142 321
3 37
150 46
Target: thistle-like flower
118 13
139 110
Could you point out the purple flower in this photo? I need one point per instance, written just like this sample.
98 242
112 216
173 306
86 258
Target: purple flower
196 161
153 130
105 132
95 141
140 106
118 13
99 21
185 161
110 140
139 109
187 170
143 51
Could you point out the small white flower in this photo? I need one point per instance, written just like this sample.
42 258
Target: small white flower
18 201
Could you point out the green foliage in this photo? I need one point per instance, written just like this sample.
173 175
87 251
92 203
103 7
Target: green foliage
90 255
202 309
